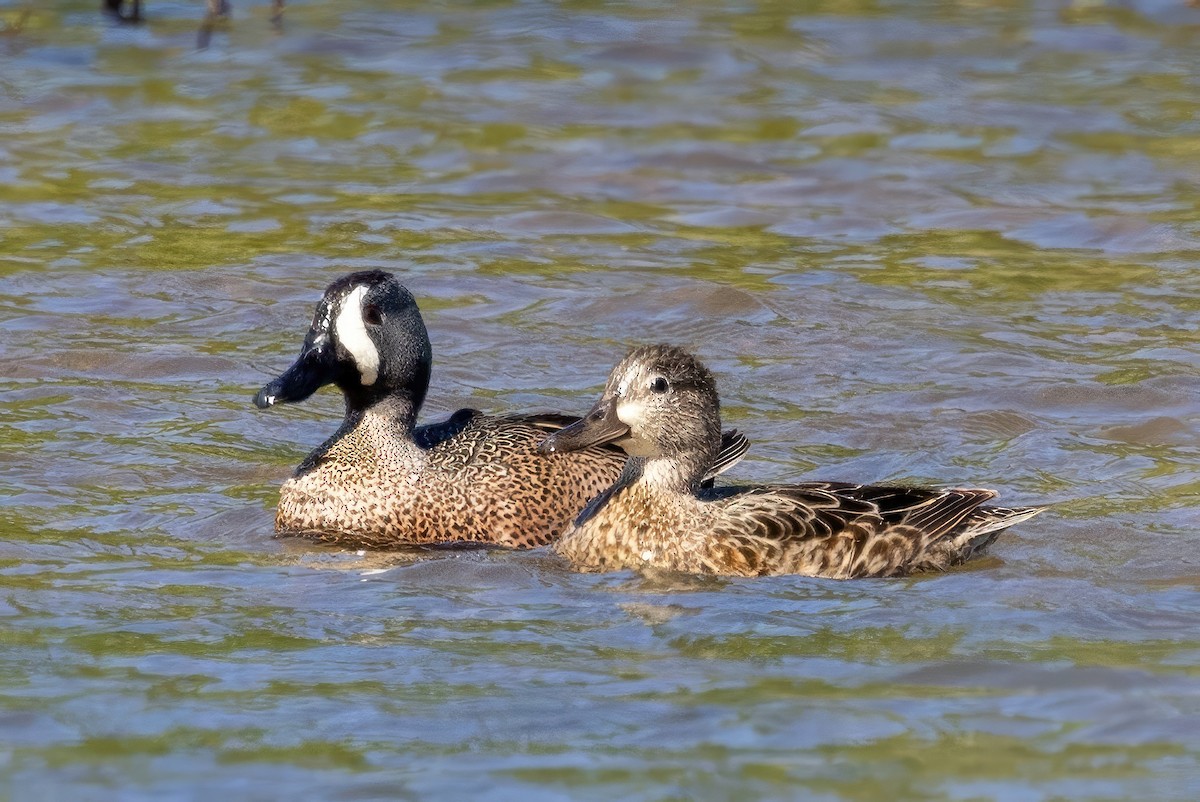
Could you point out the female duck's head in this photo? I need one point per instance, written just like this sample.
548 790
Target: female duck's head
368 338
659 402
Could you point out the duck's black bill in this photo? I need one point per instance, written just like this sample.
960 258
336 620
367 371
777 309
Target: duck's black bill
307 374
598 427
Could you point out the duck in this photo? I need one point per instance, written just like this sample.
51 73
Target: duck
660 406
382 481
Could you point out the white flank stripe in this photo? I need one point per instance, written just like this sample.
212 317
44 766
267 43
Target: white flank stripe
353 335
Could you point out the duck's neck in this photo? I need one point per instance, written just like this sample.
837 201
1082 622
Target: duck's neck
681 472
391 419
398 410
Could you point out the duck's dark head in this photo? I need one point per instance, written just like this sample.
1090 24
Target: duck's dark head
659 402
368 338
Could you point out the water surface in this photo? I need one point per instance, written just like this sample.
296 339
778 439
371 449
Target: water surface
929 242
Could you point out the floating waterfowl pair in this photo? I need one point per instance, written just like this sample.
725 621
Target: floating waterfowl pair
635 474
382 481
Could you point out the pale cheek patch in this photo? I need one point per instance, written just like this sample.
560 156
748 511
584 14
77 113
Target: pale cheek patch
630 413
352 334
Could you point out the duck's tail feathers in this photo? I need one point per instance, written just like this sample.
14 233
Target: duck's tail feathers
996 519
985 524
943 513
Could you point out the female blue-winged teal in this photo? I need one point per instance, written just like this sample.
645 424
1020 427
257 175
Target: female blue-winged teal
382 481
660 406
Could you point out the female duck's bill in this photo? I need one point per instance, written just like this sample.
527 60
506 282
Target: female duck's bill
660 405
598 427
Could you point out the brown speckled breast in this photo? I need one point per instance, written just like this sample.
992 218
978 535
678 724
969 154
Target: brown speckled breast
375 488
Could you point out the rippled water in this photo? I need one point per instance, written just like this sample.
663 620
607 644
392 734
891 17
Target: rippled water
937 242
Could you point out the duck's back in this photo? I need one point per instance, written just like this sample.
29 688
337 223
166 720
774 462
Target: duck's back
825 529
484 483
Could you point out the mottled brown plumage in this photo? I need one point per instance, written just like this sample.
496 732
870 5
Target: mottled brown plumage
376 488
381 481
660 404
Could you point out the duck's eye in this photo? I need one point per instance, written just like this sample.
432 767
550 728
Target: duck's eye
371 315
659 385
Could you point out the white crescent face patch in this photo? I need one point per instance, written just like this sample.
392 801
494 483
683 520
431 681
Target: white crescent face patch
351 332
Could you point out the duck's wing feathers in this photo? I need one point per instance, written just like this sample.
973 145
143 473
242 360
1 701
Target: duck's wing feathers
939 512
802 530
431 434
843 530
934 511
550 421
788 512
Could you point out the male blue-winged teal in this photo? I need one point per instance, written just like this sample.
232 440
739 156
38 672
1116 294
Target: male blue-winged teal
660 406
382 481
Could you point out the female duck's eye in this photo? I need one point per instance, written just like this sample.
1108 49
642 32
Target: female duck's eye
659 385
371 315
